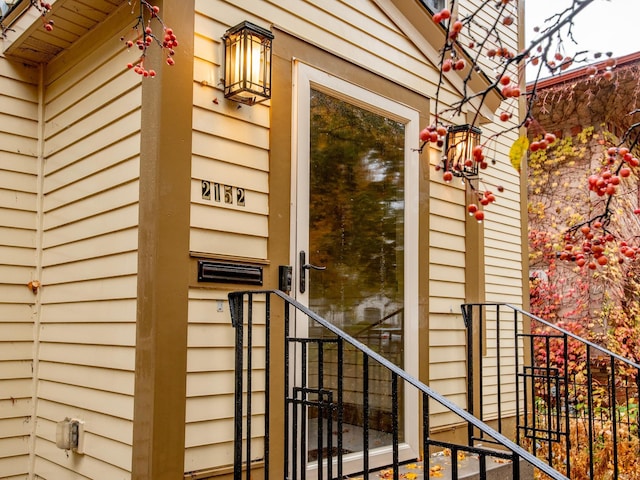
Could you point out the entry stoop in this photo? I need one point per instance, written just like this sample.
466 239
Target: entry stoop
468 469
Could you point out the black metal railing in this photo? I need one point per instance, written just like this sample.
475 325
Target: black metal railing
573 403
345 410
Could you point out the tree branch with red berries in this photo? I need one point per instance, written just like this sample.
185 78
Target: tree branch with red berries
145 37
475 45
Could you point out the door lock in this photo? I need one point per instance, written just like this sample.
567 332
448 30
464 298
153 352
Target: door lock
304 266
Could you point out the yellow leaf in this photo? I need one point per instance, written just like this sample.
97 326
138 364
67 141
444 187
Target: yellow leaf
518 149
411 476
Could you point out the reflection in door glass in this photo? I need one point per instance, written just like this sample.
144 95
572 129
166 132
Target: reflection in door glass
356 230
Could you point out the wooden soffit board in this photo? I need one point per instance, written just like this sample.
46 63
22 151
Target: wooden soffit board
27 40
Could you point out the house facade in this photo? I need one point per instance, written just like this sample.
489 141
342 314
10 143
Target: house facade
117 192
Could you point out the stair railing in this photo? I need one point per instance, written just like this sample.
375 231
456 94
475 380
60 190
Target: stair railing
574 403
330 373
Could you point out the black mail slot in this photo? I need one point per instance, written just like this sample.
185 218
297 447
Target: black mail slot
219 272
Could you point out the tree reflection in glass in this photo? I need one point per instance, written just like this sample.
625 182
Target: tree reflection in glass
356 203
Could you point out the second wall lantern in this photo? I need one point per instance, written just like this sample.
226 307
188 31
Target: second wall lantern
460 142
247 66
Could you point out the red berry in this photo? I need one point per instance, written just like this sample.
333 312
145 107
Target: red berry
170 61
472 208
505 80
447 176
479 216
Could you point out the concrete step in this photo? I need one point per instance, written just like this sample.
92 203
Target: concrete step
468 469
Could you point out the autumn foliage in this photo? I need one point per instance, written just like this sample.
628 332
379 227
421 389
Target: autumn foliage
584 278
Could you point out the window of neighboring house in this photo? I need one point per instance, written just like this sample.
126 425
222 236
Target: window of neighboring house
434 5
6 6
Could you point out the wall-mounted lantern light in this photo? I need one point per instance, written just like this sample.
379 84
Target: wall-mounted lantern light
247 67
460 142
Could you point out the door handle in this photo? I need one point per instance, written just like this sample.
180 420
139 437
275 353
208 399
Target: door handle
304 266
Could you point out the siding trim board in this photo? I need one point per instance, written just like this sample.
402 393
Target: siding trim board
163 254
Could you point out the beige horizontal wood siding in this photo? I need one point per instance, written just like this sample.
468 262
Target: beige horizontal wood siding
503 266
89 256
18 221
210 381
447 335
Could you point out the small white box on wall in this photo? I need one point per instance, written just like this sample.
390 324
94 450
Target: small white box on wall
70 435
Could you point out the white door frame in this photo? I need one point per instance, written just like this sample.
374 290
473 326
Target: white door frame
306 77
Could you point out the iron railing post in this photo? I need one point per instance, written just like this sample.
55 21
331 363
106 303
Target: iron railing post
237 320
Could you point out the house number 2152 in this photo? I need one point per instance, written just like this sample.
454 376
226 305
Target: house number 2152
223 193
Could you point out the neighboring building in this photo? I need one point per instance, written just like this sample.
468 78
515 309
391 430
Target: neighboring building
589 114
114 188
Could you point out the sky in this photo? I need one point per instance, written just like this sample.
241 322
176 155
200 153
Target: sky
603 26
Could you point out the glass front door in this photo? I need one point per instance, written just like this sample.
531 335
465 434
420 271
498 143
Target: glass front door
352 191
